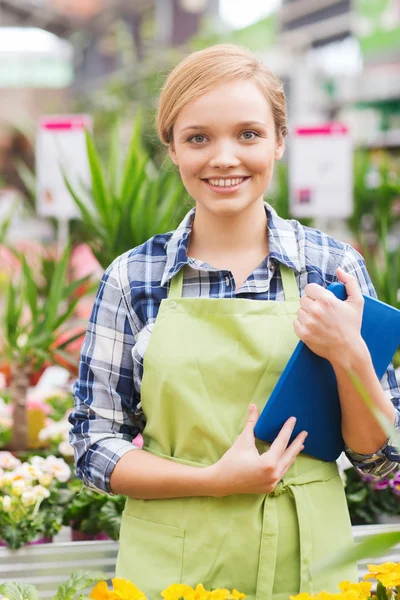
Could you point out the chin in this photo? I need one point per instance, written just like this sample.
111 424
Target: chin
225 206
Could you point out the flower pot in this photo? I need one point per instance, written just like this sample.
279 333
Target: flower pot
79 536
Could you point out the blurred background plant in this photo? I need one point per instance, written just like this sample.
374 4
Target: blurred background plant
130 200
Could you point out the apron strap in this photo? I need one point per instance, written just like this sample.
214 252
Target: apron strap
289 283
176 285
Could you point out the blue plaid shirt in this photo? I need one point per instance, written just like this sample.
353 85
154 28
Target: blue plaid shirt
107 415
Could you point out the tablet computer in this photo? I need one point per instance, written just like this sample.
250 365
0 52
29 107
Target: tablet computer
307 388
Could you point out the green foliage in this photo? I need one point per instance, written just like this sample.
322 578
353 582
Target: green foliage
91 512
126 204
373 198
376 545
366 501
18 591
32 339
79 581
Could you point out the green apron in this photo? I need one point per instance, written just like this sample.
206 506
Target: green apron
207 360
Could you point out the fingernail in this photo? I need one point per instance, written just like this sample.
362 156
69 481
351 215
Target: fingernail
292 420
305 434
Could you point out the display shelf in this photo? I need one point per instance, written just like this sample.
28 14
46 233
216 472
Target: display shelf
48 565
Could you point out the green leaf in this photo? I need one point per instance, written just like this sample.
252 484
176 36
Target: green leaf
18 591
56 293
374 546
80 580
30 289
65 356
381 592
100 193
114 163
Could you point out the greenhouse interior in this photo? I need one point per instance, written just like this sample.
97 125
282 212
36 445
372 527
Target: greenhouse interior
97 203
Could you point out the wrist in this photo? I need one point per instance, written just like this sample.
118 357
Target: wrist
351 357
212 481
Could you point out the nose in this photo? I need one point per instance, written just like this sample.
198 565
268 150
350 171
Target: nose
224 157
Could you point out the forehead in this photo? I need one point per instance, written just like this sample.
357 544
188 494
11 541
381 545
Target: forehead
229 103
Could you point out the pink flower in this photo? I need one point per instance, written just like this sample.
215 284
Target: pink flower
382 485
35 402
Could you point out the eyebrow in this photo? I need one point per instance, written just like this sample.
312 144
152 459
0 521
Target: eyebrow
242 124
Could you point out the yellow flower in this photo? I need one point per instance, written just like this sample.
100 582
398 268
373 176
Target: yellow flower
363 589
237 595
302 596
387 573
101 592
220 594
126 590
326 596
177 590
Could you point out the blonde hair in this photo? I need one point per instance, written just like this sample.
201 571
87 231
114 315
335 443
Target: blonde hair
201 71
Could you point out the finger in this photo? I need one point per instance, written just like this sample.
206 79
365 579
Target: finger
248 430
314 291
352 286
281 441
306 303
290 454
299 329
304 317
286 469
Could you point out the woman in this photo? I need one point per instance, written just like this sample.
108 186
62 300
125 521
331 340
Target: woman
191 331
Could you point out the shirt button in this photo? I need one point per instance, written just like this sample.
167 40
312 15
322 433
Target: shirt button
227 281
173 305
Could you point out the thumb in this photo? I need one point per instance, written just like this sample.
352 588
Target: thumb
248 429
352 287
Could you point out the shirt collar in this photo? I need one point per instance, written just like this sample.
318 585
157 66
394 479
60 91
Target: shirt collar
282 242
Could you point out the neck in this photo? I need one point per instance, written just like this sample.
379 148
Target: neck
222 235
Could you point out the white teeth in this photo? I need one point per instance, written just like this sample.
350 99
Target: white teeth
226 182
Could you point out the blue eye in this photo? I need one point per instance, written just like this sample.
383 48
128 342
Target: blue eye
196 140
252 133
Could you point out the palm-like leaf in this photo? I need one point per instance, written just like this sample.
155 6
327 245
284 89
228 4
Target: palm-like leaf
130 202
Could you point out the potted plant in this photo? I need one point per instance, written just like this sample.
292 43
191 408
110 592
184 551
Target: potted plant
29 332
372 501
91 515
129 201
33 498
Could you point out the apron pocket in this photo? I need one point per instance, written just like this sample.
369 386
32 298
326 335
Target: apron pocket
150 555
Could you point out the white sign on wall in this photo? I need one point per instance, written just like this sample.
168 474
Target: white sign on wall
321 172
60 144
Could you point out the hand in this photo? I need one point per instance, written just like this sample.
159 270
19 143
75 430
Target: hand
242 470
331 327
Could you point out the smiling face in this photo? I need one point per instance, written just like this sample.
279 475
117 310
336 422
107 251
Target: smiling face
225 145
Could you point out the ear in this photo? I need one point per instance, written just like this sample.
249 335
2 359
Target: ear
280 148
172 153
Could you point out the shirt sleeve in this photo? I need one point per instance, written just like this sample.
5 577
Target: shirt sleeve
102 429
380 463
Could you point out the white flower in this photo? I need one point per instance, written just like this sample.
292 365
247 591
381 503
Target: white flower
28 498
18 487
66 449
46 480
56 430
41 491
37 461
58 468
29 472
6 479
8 461
6 501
